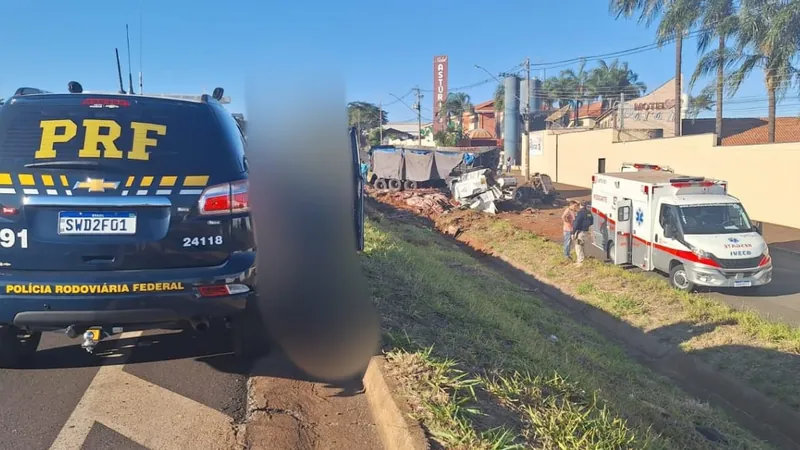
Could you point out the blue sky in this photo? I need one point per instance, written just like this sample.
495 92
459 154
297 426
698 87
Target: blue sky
378 48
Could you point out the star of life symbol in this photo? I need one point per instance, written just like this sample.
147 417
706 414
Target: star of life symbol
733 240
639 217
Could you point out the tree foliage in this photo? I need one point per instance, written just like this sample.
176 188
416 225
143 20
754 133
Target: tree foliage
365 116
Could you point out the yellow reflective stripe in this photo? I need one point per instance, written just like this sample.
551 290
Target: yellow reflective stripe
147 181
195 181
64 181
5 179
168 181
48 180
130 181
26 180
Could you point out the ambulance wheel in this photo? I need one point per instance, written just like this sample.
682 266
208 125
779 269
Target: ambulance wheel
679 279
17 346
380 184
409 185
395 185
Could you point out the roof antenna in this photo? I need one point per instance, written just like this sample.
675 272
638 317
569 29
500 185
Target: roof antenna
130 74
141 32
119 72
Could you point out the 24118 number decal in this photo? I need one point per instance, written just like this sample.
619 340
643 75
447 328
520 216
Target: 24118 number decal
10 238
202 241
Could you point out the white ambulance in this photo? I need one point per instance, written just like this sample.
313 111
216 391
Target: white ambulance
687 227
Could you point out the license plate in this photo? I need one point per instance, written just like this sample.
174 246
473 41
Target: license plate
742 283
96 223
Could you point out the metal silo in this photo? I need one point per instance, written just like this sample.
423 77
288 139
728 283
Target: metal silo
511 118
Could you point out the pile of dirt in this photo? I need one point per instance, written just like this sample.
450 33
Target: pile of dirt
430 203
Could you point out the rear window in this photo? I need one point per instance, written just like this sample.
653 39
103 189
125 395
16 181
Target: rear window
153 134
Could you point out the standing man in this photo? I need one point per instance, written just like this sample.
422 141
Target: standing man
583 221
568 217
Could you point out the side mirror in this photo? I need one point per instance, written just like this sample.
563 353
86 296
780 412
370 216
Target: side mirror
669 231
759 227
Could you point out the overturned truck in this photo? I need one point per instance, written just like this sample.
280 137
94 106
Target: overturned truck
468 172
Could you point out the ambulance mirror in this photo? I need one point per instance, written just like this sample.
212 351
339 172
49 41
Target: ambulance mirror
758 227
669 231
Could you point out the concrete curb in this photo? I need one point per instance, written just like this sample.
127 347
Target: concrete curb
394 429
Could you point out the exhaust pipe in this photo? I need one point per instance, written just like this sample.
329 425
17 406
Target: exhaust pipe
200 325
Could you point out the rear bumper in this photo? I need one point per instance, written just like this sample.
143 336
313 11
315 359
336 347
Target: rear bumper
54 300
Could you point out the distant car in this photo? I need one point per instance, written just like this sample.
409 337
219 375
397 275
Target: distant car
123 212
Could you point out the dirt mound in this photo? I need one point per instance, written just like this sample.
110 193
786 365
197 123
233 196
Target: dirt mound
430 203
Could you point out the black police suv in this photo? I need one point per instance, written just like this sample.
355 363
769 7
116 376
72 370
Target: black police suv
123 212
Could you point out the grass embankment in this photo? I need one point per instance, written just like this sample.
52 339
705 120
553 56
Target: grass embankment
765 354
486 365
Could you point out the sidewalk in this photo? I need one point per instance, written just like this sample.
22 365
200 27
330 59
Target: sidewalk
781 237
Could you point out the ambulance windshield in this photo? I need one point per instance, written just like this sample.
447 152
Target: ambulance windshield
714 219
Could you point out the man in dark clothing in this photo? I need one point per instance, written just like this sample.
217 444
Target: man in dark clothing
580 231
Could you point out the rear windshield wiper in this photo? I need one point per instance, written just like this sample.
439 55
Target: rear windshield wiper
85 165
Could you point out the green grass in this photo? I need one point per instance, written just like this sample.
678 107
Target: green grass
486 365
761 352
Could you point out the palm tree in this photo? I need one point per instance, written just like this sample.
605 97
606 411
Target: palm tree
767 38
609 81
457 104
704 101
578 83
717 20
499 97
679 20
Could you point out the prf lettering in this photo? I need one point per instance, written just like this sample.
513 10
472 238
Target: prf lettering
98 132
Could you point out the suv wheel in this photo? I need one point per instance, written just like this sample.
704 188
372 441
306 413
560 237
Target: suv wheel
17 346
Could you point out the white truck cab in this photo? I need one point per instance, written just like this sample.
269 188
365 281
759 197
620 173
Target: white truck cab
687 227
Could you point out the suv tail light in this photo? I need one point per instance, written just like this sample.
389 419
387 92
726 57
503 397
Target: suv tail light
228 198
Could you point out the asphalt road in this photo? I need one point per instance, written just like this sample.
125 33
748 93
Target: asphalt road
779 299
158 389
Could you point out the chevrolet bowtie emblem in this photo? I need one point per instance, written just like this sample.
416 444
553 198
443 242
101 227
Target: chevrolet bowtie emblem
95 185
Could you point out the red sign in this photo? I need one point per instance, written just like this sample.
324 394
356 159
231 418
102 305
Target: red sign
439 91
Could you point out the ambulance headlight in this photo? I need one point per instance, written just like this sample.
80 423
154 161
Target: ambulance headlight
766 251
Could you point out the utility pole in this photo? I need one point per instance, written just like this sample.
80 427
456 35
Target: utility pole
418 107
526 146
621 110
380 121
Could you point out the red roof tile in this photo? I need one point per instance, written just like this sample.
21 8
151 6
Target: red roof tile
747 131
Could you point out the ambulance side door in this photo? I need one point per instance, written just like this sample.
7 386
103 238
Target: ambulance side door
622 236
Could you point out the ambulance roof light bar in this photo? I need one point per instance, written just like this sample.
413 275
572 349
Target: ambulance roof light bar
686 179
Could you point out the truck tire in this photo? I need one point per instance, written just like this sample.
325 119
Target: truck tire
381 184
409 185
395 185
679 280
16 346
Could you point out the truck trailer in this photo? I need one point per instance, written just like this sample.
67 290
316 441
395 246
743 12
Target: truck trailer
687 227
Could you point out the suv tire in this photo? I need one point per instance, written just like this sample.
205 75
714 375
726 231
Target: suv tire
249 336
17 347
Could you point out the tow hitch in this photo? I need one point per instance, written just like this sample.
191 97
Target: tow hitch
90 339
